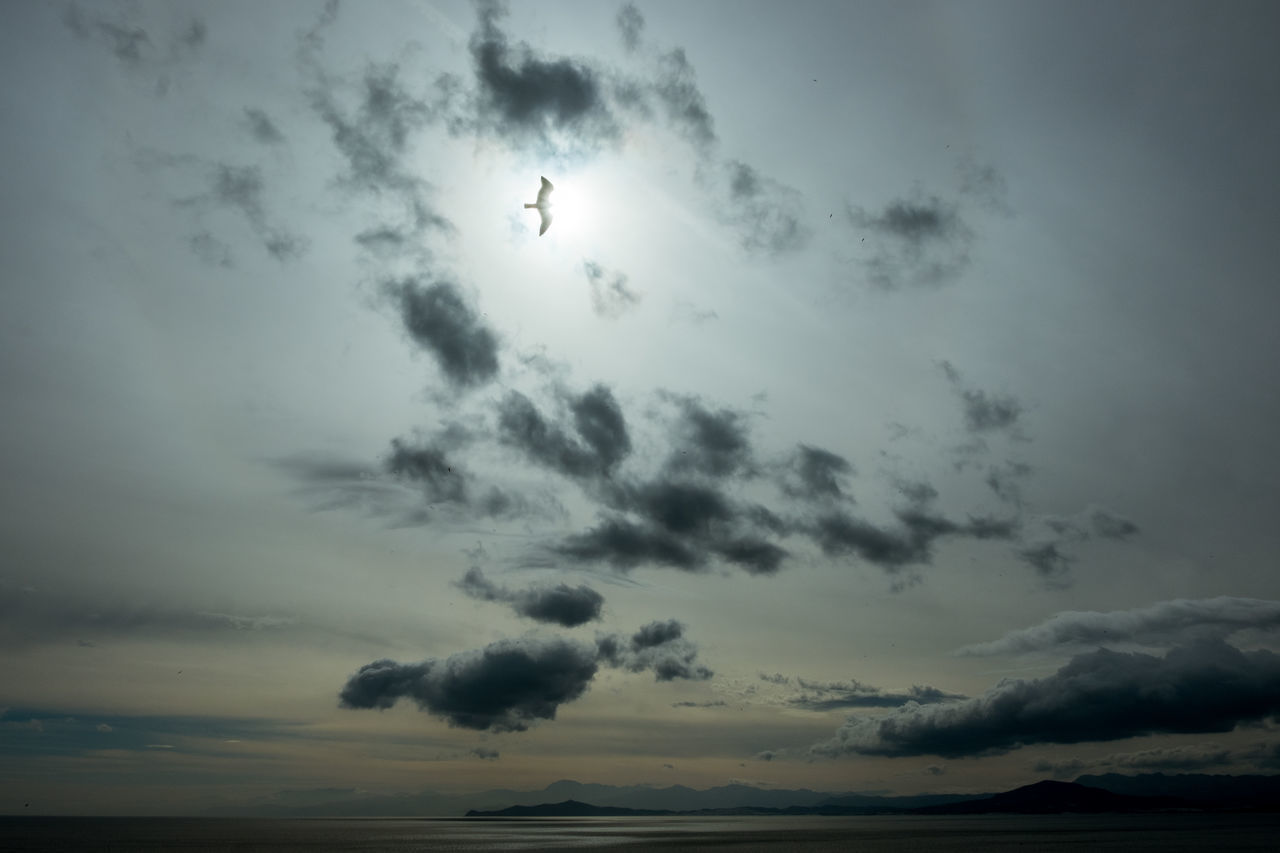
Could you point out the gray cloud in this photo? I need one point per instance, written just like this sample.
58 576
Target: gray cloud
1163 623
916 241
562 604
815 474
683 102
630 26
983 412
261 127
1206 686
374 142
440 321
610 295
485 754
241 188
830 696
32 617
1049 560
768 216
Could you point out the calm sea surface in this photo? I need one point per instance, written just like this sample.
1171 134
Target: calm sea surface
880 834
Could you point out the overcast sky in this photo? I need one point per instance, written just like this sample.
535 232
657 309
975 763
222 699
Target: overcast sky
890 406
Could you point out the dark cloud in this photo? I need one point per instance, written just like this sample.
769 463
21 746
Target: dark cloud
630 26
551 105
562 604
485 754
601 441
711 442
415 483
815 474
820 696
510 684
441 321
775 678
1163 623
768 216
916 241
261 127
909 542
503 687
1206 686
610 295
1049 560
717 703
625 545
430 467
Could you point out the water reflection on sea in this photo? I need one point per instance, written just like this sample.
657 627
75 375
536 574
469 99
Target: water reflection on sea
876 834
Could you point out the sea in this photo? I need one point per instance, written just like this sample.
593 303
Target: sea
1168 833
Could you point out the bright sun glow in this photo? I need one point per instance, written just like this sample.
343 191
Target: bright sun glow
571 210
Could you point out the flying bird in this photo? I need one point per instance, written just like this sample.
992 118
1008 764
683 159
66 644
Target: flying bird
543 205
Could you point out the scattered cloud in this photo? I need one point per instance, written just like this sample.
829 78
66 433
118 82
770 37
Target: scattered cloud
630 26
610 294
1161 624
241 188
768 216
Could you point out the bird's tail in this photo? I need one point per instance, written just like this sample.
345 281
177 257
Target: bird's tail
527 206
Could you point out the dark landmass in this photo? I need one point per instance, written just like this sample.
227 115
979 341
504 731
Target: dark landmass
1042 798
1108 793
1050 797
1252 793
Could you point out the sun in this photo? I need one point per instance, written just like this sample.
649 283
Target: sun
571 210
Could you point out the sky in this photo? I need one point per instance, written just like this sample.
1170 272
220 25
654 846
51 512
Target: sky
890 406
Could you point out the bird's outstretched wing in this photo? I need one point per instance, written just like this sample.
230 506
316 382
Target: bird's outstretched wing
544 198
546 220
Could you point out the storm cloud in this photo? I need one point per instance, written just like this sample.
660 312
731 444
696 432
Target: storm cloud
510 684
1163 623
1206 686
505 686
610 294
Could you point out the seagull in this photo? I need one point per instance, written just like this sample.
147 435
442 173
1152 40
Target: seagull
543 206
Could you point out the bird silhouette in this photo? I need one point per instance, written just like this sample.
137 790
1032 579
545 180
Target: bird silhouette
543 205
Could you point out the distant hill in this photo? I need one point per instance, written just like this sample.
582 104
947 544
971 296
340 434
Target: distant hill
1050 797
569 808
1254 793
